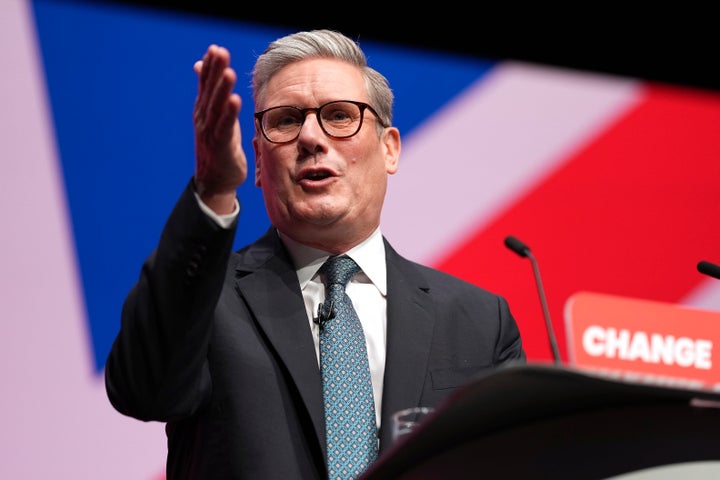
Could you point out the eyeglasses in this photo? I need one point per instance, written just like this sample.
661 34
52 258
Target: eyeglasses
338 119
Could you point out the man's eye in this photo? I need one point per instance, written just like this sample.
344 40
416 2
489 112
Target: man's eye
284 121
287 121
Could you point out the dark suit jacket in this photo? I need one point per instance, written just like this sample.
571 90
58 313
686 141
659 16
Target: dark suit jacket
216 344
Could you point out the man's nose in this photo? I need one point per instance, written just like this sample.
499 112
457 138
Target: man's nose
311 125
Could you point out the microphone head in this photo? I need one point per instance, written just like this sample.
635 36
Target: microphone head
517 246
708 268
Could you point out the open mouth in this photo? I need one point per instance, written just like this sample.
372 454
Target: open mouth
317 175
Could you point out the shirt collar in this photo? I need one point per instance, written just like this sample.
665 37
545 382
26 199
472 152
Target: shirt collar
369 255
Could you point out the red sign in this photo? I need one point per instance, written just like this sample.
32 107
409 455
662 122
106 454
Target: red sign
644 341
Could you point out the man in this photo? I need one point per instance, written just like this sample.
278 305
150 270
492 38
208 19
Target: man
227 347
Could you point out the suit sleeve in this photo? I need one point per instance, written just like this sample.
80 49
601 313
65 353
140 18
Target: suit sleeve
157 366
509 347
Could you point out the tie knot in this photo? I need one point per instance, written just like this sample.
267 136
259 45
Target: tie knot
339 270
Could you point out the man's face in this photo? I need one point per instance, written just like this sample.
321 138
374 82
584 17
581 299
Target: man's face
322 191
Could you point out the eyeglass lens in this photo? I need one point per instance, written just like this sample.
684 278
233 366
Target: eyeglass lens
338 119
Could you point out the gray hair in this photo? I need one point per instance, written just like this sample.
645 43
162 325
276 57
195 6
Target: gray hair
322 44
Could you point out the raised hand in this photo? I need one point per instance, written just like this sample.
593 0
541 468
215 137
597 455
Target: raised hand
220 162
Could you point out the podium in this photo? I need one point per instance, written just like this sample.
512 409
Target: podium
545 421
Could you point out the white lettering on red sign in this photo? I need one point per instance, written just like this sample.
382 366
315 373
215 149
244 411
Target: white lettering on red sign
650 348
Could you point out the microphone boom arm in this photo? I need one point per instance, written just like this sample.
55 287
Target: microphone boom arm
546 311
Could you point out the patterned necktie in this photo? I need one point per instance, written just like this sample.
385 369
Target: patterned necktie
350 426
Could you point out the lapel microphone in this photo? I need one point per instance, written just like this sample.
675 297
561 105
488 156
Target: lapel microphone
325 313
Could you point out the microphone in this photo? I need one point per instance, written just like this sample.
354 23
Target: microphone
517 246
523 250
709 269
324 314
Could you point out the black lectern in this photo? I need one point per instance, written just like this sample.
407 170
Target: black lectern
541 421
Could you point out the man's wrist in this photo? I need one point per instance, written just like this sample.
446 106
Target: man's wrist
222 219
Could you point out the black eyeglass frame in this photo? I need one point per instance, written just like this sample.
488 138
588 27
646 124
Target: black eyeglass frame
304 111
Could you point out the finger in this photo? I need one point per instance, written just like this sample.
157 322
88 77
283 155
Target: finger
226 121
202 69
212 80
218 59
205 87
218 103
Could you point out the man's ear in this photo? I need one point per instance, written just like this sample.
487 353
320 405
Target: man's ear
392 143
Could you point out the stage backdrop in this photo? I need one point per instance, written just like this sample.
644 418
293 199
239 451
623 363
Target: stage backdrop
611 181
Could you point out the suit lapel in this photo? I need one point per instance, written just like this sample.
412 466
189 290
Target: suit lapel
409 335
266 279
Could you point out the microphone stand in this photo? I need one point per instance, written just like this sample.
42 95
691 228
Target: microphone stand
523 250
546 311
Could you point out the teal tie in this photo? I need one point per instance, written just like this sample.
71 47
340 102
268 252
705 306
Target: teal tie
350 426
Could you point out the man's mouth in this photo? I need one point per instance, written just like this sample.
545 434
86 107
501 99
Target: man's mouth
317 175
